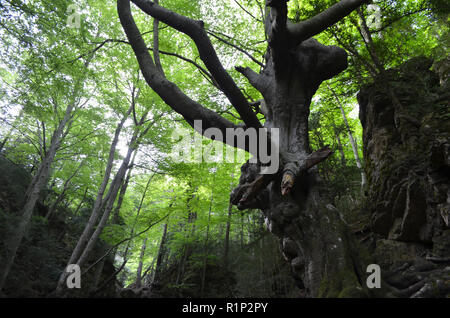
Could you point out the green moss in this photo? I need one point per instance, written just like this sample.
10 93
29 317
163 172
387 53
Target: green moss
344 284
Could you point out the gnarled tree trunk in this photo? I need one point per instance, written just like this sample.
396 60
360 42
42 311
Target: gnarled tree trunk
313 236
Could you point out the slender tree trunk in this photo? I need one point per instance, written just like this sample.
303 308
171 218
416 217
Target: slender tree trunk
123 190
89 229
368 41
81 201
205 249
98 275
352 141
114 189
141 261
227 236
62 194
161 255
37 184
150 271
138 212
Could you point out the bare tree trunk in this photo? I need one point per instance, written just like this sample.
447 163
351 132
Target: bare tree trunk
352 141
205 249
138 212
141 261
368 41
89 235
161 254
192 217
150 271
123 190
87 232
112 194
227 236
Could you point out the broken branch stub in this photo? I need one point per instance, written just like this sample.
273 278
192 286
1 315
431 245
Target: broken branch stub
245 194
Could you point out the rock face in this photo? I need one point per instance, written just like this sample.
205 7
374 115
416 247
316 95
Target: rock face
43 251
406 135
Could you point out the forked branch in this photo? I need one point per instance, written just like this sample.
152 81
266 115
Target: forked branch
244 195
195 30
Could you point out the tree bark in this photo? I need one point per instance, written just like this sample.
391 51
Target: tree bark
123 190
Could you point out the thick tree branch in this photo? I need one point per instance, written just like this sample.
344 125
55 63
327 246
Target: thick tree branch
258 81
306 29
168 91
195 30
156 43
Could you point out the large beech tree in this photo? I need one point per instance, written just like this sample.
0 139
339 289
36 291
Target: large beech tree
312 234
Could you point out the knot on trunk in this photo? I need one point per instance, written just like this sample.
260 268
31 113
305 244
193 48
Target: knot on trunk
250 193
